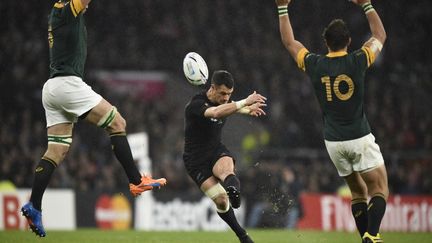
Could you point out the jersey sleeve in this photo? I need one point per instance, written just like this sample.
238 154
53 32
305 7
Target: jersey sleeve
365 57
306 60
197 107
76 7
70 10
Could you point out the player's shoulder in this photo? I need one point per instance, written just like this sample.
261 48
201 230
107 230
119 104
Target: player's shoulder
196 98
312 56
357 53
200 96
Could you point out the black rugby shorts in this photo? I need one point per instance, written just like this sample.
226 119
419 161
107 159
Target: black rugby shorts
201 168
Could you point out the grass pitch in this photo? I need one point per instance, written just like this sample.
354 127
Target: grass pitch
259 236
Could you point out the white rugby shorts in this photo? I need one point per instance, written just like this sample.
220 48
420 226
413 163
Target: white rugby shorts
361 154
65 98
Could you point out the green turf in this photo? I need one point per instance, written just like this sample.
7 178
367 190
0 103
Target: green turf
264 236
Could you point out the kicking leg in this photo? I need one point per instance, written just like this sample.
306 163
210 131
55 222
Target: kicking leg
106 116
213 189
224 170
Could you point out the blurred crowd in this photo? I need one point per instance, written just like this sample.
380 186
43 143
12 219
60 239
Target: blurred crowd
242 37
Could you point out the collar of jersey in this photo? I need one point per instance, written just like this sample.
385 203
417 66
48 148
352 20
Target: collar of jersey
337 54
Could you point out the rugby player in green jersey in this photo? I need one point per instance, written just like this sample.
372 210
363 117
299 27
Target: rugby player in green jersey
338 81
66 99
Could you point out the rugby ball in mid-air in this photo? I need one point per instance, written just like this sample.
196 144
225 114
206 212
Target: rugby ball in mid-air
195 69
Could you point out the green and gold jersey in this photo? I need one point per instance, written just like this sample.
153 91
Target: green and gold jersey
67 39
338 79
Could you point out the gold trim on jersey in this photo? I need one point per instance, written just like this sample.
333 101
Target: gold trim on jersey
300 58
59 5
76 7
370 55
337 54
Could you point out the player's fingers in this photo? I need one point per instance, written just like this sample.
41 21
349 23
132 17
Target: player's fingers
261 96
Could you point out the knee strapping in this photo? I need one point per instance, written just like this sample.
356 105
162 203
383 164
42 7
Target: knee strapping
65 140
108 118
216 191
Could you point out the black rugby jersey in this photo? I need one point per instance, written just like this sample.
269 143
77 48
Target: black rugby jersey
202 134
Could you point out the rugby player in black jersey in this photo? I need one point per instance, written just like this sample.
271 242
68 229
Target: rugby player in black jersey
209 163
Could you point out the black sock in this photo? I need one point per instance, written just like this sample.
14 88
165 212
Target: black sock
232 180
122 151
230 219
376 210
42 176
360 213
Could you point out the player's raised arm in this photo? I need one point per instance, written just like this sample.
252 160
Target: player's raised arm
85 2
77 6
286 31
376 42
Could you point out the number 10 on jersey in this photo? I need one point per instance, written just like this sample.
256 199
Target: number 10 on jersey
336 87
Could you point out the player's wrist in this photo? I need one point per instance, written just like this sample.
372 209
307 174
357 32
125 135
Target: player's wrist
282 10
240 104
367 7
245 110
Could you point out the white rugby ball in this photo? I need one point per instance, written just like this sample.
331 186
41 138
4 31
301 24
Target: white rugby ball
195 69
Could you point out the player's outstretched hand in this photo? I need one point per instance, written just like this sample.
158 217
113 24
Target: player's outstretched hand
282 2
255 98
257 109
360 2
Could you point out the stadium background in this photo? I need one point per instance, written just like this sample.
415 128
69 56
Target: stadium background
278 157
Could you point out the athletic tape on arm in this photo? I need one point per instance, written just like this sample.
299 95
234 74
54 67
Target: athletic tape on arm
376 45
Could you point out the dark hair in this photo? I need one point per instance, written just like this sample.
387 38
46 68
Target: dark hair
222 77
337 35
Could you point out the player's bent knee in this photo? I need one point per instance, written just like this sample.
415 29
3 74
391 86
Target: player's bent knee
218 194
222 203
119 124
